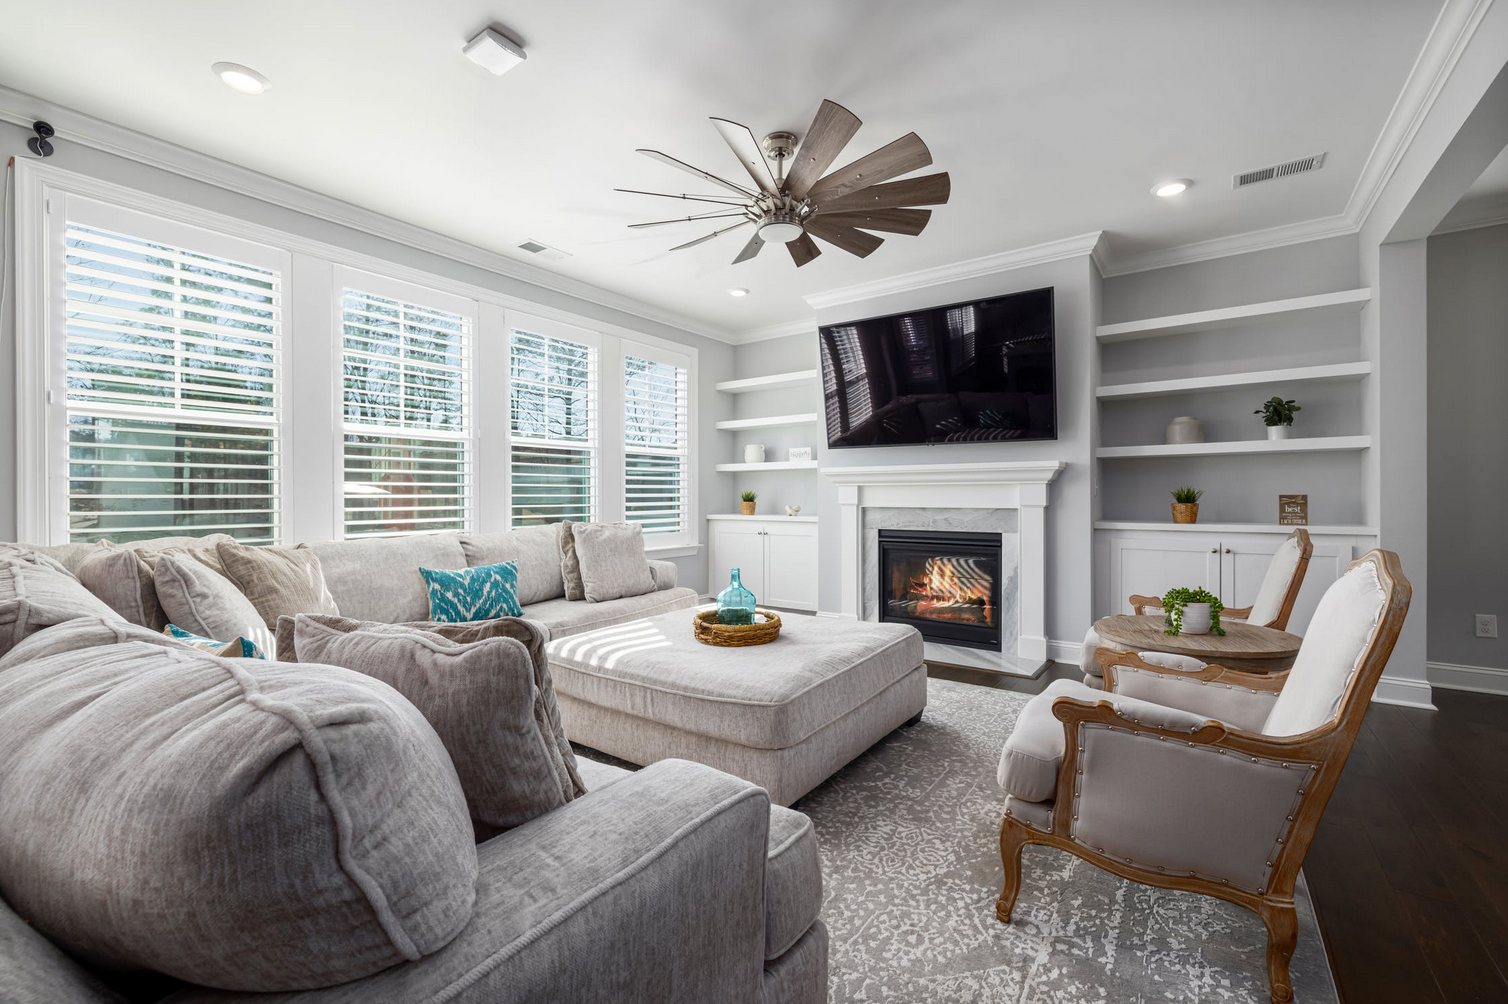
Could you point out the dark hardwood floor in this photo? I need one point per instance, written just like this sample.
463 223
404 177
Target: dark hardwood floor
1409 869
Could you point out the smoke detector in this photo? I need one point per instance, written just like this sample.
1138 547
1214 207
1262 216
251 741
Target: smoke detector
494 51
1300 166
543 250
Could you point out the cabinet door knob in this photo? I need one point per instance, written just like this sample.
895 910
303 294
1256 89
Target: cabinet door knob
1227 550
1214 550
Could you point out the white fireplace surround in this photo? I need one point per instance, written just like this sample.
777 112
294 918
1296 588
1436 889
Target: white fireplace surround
1020 485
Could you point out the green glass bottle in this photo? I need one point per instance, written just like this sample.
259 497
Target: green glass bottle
735 605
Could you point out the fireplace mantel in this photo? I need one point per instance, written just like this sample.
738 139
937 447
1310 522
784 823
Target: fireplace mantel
1020 485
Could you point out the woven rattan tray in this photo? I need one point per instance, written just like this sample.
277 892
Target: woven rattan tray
709 632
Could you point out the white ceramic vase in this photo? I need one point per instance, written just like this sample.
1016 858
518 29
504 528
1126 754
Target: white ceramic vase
1278 431
753 454
1184 429
1196 619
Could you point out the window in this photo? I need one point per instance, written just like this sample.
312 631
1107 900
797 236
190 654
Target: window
406 385
656 445
172 381
553 463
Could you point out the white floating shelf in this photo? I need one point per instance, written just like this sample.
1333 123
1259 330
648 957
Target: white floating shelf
1323 304
772 382
760 517
1347 530
810 418
773 465
1333 372
1247 446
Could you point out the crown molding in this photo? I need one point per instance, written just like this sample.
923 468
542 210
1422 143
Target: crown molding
73 126
785 329
1222 247
1003 261
1497 216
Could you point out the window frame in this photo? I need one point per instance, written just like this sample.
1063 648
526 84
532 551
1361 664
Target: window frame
687 533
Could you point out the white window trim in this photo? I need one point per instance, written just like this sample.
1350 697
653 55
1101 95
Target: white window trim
687 536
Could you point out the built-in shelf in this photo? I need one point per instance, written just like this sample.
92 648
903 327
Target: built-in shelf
1342 529
1333 372
771 422
760 517
1344 302
772 382
1246 446
773 465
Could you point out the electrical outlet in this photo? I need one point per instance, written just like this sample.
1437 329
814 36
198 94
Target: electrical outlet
1487 625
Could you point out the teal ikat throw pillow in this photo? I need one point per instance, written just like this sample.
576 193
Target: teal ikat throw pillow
473 594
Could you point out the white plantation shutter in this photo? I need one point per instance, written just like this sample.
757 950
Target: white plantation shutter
656 445
406 372
553 462
171 383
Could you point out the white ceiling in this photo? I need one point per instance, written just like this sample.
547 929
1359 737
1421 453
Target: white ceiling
1053 119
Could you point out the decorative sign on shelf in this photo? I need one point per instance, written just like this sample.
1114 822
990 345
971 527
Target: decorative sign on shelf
1293 510
799 453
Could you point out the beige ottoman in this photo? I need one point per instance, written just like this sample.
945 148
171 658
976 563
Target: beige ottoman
785 716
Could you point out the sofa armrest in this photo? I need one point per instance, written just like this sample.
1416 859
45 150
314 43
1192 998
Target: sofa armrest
665 573
649 889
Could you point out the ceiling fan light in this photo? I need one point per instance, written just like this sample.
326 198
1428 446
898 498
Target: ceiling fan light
780 232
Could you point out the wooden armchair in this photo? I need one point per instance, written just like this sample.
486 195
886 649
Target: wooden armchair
1272 607
1211 782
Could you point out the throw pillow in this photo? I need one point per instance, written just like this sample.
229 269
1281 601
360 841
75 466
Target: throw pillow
37 592
294 826
241 648
570 566
536 551
472 594
117 577
612 560
202 601
278 580
481 698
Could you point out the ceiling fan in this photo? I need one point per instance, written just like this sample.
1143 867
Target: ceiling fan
791 209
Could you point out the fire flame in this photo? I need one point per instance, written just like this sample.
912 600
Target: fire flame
941 592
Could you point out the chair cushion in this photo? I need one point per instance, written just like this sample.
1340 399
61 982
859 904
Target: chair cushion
37 592
278 580
377 578
792 880
199 599
479 593
1343 624
534 549
1280 571
612 560
250 825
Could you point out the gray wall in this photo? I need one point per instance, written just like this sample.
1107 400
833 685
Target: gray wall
777 490
1468 444
716 358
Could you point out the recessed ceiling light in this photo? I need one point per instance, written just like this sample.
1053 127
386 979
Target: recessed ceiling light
738 291
1167 189
494 51
242 78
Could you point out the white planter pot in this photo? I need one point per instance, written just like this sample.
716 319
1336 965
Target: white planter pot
753 454
1278 431
1196 619
1184 429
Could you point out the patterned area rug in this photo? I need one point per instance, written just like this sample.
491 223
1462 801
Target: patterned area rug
910 859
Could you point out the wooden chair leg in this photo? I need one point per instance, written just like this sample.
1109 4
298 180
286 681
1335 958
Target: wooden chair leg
1012 839
1282 937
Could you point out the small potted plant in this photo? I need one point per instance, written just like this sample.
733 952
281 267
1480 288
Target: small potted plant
1186 504
1192 611
747 505
1277 415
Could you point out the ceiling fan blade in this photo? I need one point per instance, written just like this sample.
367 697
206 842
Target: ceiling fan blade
719 200
746 148
891 221
928 190
666 158
853 241
715 233
825 138
750 249
803 249
905 155
683 219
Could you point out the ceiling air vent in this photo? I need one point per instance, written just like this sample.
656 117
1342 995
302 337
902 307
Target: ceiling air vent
543 250
1299 166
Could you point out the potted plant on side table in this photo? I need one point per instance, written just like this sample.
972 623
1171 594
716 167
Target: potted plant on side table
746 506
1186 504
1192 611
1277 415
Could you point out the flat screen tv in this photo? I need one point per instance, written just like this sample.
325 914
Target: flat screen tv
980 372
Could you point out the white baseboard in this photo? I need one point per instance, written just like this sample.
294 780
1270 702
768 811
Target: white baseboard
1408 693
1476 679
1065 651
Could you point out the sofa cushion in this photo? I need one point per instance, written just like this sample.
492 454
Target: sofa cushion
570 564
481 698
536 551
249 825
666 574
479 593
36 972
563 617
377 578
612 560
37 592
278 580
199 599
792 880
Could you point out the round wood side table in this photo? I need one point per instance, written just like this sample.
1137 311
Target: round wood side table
1243 646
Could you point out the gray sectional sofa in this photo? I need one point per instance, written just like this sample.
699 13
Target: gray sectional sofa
675 883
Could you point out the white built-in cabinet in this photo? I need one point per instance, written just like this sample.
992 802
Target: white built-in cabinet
776 558
1230 561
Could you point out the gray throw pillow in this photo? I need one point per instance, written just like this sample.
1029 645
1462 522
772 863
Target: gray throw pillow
480 696
278 580
117 577
612 560
37 592
248 825
535 550
570 566
200 600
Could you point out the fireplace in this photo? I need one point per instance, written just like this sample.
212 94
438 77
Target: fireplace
945 584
